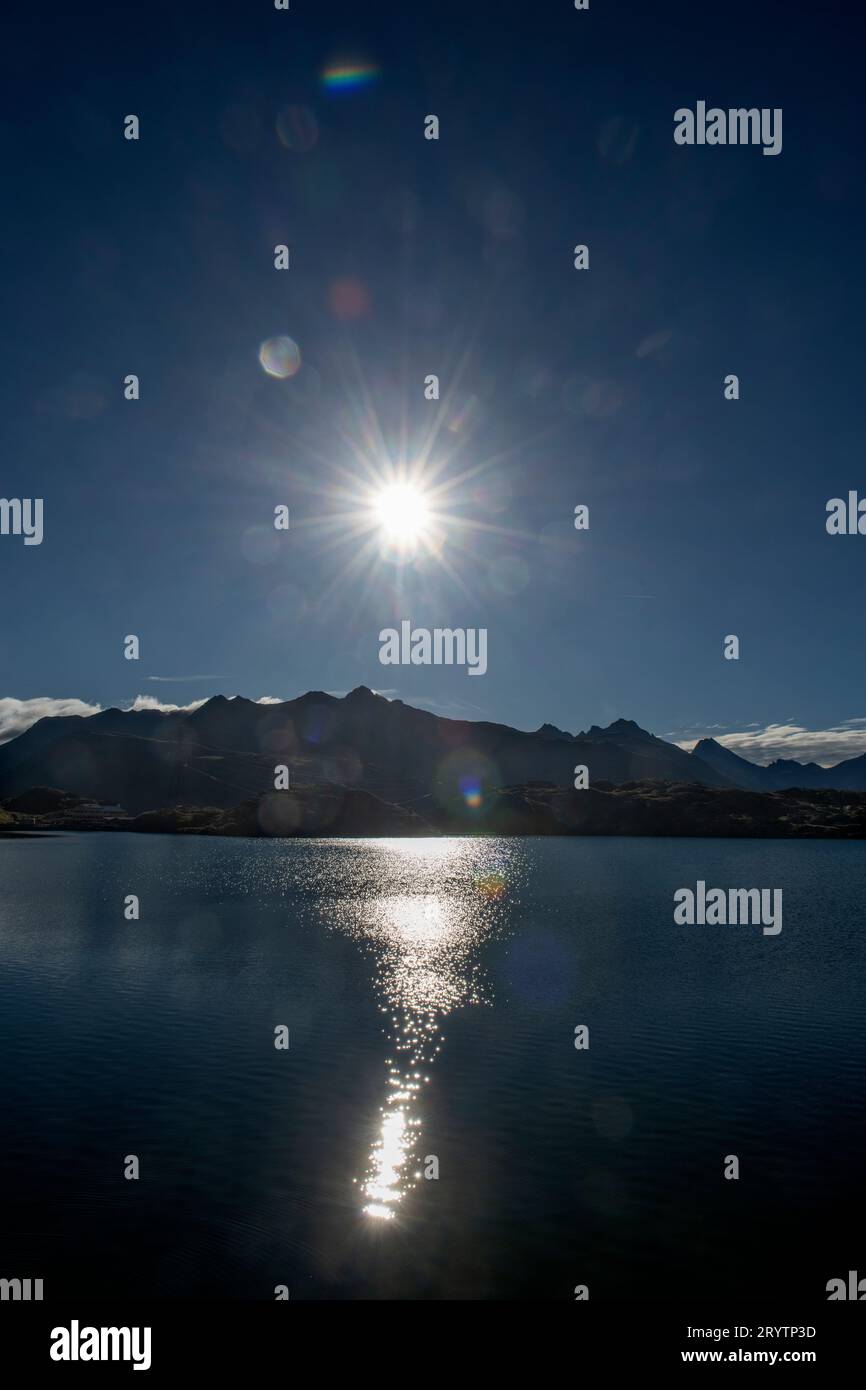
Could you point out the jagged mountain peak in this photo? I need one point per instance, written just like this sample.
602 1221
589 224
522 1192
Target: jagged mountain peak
620 728
363 692
551 731
706 747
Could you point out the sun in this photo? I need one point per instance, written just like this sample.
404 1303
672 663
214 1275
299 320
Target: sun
403 514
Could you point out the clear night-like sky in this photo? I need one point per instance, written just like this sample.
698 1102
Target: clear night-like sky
410 257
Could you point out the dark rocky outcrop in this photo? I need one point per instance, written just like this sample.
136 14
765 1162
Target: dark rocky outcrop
651 808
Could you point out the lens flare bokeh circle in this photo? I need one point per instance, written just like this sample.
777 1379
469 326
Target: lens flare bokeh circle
280 357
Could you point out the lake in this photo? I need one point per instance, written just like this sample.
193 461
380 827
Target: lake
431 990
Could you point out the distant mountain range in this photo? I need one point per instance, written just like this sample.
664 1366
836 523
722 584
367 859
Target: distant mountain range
783 773
225 753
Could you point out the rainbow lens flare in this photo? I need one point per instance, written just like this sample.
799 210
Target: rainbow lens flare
470 788
349 75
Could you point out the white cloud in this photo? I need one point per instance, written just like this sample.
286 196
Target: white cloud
824 746
151 702
18 715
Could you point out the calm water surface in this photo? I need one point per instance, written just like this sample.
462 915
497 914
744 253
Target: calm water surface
431 989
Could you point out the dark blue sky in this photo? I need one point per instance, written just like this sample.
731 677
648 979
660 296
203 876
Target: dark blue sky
706 516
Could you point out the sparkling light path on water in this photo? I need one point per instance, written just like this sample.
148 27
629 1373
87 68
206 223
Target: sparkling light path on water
423 916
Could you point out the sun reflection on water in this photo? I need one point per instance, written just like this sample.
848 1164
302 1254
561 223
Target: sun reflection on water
423 911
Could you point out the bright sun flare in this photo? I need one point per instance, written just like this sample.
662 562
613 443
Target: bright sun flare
402 513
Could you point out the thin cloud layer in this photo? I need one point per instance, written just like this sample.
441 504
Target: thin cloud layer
823 746
180 680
